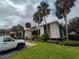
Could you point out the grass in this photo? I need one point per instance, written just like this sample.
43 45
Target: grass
47 51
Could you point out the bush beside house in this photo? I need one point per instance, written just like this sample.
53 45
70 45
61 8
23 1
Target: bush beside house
74 37
71 43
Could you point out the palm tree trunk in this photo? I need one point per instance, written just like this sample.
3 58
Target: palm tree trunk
66 26
38 30
47 27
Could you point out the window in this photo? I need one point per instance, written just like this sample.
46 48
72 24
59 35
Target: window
8 39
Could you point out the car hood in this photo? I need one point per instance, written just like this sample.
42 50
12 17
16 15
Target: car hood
19 40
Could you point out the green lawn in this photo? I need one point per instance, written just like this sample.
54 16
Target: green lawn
47 51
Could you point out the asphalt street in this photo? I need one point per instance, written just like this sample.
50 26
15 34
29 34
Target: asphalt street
5 54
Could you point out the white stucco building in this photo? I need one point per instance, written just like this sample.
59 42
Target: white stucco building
53 28
28 33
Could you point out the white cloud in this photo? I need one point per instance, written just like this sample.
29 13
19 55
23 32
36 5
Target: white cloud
74 10
13 12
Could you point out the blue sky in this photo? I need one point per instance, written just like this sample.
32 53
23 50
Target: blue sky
13 12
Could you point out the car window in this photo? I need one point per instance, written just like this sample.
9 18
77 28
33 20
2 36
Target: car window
8 39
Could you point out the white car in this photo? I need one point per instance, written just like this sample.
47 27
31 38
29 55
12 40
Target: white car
7 42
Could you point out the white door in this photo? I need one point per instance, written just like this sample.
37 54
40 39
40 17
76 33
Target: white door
8 43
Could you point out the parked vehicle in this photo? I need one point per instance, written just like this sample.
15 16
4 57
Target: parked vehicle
7 42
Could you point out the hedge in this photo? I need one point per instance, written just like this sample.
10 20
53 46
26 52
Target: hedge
74 37
71 43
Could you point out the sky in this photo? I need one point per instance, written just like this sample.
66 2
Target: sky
13 12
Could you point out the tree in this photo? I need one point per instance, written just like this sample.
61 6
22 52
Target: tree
74 25
20 27
63 8
14 28
20 30
44 11
28 25
37 17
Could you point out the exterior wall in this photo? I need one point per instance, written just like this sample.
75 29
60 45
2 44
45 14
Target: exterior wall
28 34
41 30
54 31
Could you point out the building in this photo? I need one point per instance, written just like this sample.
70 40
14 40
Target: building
53 27
4 32
15 34
29 32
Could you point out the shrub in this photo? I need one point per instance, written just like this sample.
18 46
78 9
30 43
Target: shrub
71 43
35 37
26 38
53 41
44 37
74 37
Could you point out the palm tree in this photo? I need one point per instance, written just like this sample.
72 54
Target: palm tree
28 25
74 24
20 30
37 17
63 8
14 28
44 10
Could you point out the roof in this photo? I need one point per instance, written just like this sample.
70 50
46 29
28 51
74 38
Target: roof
51 23
12 32
32 29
